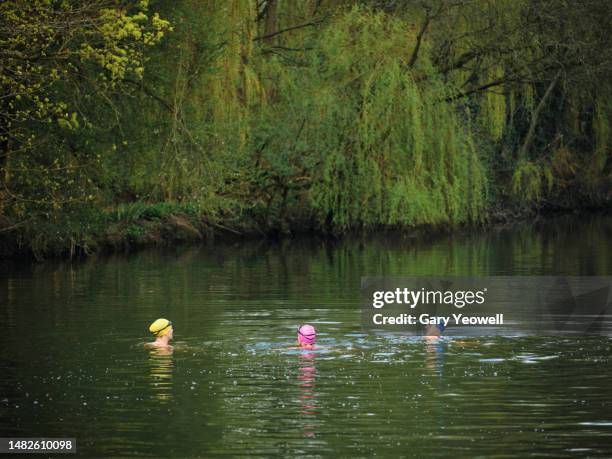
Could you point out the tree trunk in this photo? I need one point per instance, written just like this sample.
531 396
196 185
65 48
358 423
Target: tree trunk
271 22
534 118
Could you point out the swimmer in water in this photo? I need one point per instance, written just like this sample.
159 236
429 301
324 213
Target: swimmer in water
163 331
434 332
306 336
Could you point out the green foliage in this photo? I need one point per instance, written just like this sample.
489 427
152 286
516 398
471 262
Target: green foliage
531 181
131 212
361 143
61 62
134 233
309 115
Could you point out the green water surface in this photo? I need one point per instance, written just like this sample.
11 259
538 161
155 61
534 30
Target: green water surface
74 365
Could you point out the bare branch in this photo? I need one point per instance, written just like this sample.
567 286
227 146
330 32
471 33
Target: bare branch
288 29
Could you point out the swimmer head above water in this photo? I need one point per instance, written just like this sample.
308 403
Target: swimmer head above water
433 332
163 331
306 335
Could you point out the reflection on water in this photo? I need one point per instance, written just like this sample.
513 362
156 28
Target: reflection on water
227 390
161 366
307 382
434 351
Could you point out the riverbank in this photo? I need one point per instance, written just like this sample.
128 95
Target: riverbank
124 228
136 226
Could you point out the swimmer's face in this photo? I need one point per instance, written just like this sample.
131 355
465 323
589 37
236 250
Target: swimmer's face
170 333
432 331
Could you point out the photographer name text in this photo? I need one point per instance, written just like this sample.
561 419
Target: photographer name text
427 319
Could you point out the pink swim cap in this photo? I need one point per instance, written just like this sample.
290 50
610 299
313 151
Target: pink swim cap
307 334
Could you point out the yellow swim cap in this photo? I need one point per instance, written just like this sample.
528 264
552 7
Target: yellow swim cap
160 327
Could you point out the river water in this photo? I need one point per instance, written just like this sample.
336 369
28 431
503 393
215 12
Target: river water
74 365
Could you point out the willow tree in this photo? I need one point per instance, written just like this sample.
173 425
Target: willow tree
356 137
